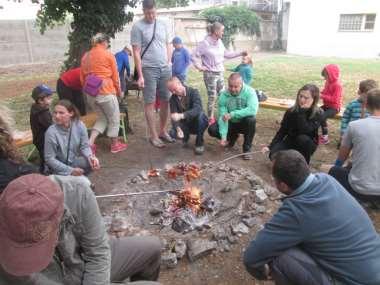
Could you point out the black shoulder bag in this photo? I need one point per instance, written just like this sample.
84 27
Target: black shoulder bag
135 74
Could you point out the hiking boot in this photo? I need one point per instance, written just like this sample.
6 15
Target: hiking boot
118 147
323 139
199 150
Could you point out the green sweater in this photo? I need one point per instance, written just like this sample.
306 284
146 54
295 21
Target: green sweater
238 106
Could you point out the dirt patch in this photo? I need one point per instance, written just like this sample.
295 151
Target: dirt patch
21 79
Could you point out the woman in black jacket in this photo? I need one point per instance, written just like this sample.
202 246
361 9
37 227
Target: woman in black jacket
299 126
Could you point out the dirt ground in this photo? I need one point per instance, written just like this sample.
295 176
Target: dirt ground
217 268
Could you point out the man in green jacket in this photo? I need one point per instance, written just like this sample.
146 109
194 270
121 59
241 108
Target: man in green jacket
237 115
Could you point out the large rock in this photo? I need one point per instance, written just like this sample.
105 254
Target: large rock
219 233
252 222
239 229
199 247
169 259
180 248
261 197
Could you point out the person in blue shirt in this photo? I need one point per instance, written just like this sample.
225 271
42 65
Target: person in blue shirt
320 234
122 60
245 69
180 60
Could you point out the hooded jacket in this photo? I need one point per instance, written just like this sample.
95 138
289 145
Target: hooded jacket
40 121
332 93
238 106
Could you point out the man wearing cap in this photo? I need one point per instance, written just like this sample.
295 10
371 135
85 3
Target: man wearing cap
40 118
52 232
180 60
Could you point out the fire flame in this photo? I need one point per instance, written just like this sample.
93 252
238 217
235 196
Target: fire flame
189 198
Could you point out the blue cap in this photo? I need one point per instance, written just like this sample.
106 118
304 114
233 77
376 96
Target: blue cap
176 41
41 91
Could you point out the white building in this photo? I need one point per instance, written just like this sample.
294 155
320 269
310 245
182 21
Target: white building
341 28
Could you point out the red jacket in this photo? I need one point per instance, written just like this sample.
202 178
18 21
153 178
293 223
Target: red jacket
71 78
332 93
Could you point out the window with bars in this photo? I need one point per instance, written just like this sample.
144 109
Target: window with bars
357 22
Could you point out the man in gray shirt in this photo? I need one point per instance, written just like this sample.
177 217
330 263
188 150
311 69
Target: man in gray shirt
362 138
152 53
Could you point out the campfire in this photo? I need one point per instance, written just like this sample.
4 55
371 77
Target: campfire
194 208
189 198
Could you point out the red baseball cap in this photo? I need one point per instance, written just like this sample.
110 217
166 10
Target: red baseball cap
31 209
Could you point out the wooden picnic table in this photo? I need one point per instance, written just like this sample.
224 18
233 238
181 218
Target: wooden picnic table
284 104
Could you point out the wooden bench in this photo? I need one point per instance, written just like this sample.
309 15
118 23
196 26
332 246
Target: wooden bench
24 138
284 104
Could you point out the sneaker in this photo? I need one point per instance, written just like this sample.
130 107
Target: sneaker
118 147
199 150
93 149
323 139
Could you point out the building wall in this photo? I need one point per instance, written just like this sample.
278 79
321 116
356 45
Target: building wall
313 29
21 41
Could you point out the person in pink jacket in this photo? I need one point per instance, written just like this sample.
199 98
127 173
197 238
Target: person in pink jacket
331 96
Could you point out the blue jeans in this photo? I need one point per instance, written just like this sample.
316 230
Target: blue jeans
293 267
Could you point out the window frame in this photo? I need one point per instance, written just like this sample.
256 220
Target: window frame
363 22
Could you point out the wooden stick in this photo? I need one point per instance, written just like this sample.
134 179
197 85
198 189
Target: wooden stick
136 193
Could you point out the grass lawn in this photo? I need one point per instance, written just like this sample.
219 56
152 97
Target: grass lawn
279 75
282 75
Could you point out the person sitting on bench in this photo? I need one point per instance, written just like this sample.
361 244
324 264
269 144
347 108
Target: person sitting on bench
67 151
320 234
187 113
237 114
11 163
300 124
362 180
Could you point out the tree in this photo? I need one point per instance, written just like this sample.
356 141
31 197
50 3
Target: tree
88 18
235 19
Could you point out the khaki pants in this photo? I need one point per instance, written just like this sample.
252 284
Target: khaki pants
136 258
107 110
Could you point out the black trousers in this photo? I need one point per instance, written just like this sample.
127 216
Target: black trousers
246 126
40 149
302 143
294 267
74 96
328 113
341 175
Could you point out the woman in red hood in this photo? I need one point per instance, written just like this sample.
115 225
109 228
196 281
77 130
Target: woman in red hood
331 96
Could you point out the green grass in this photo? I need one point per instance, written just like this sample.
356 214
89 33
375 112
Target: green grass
282 75
279 75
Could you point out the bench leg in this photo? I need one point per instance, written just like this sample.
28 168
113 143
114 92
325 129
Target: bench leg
31 152
123 129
